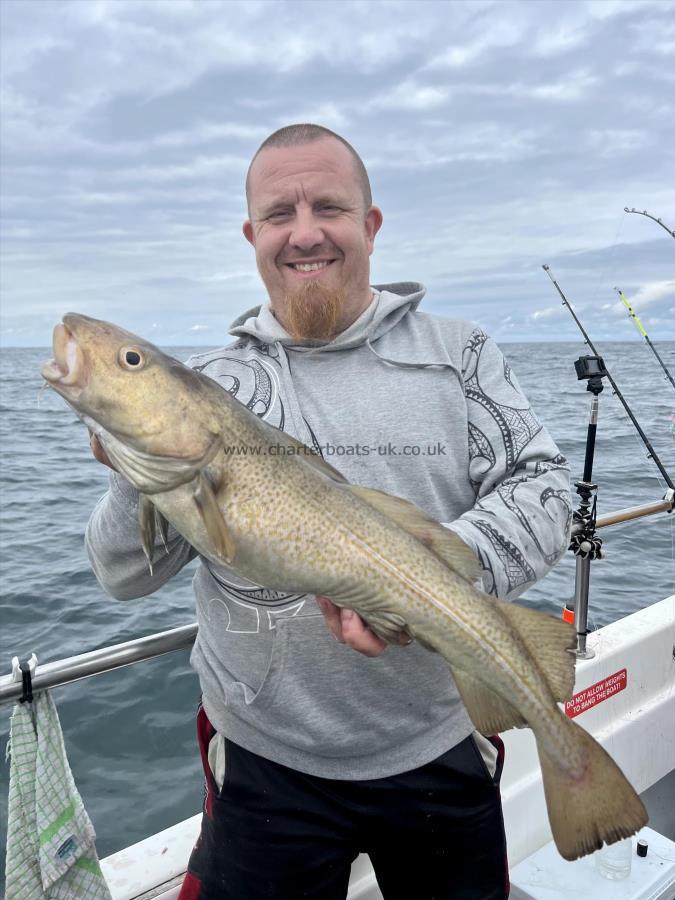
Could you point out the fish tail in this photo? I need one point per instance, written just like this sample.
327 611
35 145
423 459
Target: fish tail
593 803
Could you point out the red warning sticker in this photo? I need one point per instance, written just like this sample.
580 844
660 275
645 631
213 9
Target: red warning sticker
596 693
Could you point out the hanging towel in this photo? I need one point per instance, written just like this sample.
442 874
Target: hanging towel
50 838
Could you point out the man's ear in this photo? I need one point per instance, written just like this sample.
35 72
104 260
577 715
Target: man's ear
247 228
373 224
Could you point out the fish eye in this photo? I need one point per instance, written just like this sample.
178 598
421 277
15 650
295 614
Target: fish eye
131 358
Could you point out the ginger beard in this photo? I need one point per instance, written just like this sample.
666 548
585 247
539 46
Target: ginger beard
313 311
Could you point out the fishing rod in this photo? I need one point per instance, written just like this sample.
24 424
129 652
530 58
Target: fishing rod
640 327
643 212
585 543
645 440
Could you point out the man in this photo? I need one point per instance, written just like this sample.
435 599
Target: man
313 753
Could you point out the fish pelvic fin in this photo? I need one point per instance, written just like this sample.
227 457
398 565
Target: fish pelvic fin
489 712
441 541
163 529
591 807
151 521
146 526
550 641
212 517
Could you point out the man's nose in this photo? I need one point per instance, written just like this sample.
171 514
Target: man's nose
307 231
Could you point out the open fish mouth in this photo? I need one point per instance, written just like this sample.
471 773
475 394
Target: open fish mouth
68 362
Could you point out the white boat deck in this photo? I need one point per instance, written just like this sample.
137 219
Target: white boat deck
633 717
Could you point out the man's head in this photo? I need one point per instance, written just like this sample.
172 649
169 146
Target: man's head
310 204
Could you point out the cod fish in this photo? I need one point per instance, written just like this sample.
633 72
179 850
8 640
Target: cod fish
250 497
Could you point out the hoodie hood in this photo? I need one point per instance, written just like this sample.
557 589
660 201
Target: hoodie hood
391 302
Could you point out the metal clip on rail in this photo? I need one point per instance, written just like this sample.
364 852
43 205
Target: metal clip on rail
23 671
585 544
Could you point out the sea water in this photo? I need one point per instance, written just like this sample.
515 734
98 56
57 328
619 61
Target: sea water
130 733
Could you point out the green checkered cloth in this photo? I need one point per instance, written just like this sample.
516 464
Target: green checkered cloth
50 838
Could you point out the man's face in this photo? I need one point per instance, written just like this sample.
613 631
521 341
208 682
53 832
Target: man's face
307 208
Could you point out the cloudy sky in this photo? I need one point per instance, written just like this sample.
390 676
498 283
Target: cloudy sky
498 135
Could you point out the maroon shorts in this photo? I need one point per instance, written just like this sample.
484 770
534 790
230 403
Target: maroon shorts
271 832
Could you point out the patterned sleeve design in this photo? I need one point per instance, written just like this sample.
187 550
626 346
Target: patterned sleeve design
519 525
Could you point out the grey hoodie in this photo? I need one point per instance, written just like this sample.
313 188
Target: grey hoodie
419 406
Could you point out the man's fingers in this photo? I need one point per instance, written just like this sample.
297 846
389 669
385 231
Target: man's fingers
349 628
357 634
331 614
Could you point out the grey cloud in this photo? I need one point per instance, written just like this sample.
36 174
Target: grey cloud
498 136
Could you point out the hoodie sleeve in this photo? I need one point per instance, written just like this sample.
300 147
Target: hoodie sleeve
519 524
114 548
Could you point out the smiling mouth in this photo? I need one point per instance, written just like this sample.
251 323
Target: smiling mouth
309 267
68 362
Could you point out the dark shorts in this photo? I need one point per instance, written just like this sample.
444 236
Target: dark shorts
434 833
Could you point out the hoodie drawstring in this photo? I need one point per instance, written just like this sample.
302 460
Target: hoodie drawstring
402 364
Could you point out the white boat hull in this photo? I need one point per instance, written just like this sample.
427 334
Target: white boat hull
632 717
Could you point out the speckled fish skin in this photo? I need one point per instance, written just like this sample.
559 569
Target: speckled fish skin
291 523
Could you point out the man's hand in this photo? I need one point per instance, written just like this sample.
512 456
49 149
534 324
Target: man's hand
349 628
99 452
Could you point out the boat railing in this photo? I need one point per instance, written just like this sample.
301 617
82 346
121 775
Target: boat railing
634 512
95 662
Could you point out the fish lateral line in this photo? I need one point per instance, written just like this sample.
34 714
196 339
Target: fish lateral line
478 637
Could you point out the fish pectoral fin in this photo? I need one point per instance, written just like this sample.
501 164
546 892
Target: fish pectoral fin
212 517
487 710
550 641
444 543
146 526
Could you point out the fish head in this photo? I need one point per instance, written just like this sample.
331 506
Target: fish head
141 396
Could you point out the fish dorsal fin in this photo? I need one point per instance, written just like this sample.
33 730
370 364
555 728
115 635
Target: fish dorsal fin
320 463
443 542
302 451
489 712
212 517
550 641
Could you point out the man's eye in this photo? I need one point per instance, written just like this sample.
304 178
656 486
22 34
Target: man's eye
328 207
279 214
